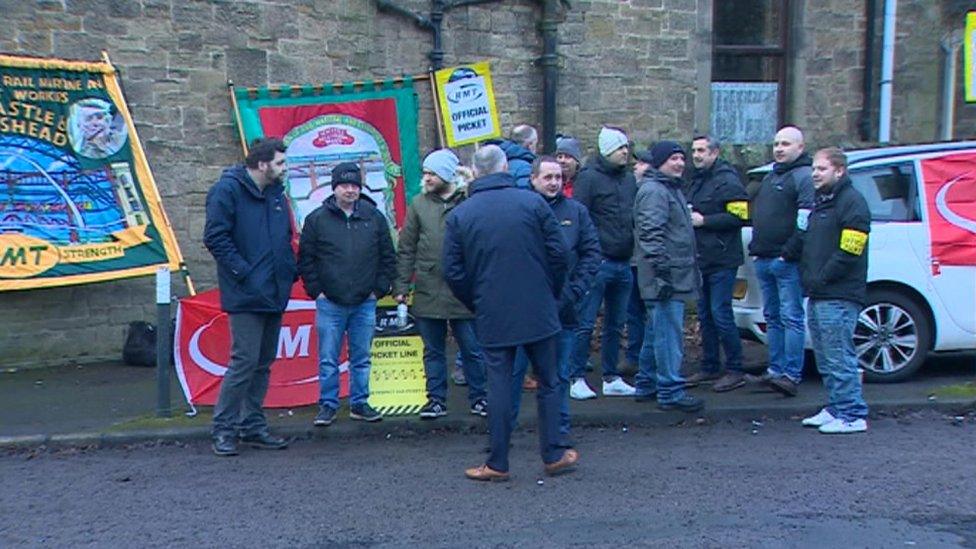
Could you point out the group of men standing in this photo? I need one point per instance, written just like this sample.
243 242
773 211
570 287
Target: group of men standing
518 272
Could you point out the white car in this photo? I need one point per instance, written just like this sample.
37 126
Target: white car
919 301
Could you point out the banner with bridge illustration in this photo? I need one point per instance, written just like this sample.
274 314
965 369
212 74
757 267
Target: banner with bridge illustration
373 124
78 202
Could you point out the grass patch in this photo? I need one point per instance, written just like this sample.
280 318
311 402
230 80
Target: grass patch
149 422
958 390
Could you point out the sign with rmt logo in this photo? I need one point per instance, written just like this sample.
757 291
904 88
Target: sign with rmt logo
467 102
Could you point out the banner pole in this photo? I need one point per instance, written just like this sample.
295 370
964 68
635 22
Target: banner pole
437 109
237 115
163 348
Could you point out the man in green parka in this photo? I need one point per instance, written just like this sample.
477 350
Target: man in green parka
419 259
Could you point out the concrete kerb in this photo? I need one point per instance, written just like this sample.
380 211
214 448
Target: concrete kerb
407 427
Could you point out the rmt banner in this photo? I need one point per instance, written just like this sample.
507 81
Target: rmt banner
467 104
202 354
323 126
79 203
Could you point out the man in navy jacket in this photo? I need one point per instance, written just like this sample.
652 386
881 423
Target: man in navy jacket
506 260
248 231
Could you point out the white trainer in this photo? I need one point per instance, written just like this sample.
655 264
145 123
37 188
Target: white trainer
822 418
842 427
618 387
579 390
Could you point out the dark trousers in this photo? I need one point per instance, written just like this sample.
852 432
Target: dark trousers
717 323
254 344
498 366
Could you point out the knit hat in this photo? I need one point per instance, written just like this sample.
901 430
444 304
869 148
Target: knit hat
442 162
346 172
611 140
662 151
569 146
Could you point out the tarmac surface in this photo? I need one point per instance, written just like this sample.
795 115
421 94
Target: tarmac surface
115 403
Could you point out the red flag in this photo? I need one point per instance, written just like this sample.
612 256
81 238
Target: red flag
950 193
202 351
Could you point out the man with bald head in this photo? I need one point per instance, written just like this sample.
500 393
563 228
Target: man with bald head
506 260
779 211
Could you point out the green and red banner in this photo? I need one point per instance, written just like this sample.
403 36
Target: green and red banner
323 126
78 203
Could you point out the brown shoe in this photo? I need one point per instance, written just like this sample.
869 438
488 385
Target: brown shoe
565 464
530 384
483 472
698 378
729 382
783 384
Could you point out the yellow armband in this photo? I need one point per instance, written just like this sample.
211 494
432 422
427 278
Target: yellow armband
853 241
738 208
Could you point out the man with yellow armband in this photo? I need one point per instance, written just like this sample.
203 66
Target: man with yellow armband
834 267
719 207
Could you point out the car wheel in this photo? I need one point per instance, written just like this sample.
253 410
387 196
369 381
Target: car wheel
892 337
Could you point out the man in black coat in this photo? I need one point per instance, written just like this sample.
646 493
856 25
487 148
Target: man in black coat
505 259
719 209
584 260
834 268
347 263
607 188
248 231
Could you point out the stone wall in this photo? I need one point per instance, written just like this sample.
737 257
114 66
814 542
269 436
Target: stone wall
639 64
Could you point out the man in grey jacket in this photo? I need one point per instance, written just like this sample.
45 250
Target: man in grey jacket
667 275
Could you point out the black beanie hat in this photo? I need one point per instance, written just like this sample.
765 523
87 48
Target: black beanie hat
347 172
662 151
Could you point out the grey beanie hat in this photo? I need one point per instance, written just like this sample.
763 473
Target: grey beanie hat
570 146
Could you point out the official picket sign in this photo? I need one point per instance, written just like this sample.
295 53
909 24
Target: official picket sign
467 104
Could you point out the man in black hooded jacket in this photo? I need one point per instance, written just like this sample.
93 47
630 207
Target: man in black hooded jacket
779 212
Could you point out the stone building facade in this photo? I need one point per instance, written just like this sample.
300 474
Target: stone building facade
644 65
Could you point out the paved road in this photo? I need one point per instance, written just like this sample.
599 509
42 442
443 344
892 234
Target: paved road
907 483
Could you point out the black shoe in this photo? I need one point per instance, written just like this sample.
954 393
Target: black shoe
364 412
687 404
783 384
646 397
699 378
224 445
265 441
325 416
760 379
480 408
432 410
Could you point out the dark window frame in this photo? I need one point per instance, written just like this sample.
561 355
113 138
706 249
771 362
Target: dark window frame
779 52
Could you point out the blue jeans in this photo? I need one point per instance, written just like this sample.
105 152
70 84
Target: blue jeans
498 367
434 332
564 346
718 323
332 321
636 320
662 353
832 324
783 310
612 283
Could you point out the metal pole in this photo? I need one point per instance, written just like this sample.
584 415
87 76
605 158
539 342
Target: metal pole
163 350
950 45
550 74
887 70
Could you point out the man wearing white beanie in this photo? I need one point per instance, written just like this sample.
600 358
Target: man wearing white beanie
607 188
419 259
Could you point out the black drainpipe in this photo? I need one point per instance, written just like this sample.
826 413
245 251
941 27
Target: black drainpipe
864 124
550 72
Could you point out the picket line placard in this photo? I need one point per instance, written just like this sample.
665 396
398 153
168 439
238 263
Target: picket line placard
467 103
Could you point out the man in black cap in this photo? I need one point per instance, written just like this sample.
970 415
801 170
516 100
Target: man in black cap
667 276
347 263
